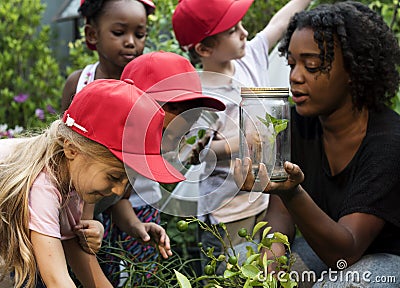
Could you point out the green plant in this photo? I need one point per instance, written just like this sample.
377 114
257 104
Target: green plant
253 272
80 55
136 274
160 32
278 125
31 82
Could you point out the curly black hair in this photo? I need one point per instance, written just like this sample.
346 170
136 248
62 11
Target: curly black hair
370 49
92 9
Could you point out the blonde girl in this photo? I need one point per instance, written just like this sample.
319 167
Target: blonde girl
46 179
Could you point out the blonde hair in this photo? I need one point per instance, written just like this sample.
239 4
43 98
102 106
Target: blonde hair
17 174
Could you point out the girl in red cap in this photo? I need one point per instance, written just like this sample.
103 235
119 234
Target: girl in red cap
117 30
88 155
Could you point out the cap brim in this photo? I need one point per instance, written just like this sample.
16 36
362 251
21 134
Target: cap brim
184 95
154 167
234 14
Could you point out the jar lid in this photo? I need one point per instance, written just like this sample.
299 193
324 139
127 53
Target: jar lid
257 92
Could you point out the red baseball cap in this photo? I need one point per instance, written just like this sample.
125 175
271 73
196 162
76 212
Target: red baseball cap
148 5
119 116
168 77
194 20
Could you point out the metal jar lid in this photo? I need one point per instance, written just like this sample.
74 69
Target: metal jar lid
267 92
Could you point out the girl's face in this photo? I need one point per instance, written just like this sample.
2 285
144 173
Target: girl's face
231 44
316 93
92 179
121 32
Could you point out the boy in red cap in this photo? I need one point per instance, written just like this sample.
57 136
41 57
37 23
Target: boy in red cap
212 32
177 88
87 155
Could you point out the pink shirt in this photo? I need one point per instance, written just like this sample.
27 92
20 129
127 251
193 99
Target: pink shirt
48 214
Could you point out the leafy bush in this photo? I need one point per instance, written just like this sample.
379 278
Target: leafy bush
30 86
253 271
178 271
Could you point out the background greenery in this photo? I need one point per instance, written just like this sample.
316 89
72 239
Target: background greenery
28 67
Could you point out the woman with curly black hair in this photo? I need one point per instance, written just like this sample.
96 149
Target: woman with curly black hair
344 64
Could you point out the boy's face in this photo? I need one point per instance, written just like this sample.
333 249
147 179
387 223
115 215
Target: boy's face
121 32
231 44
179 118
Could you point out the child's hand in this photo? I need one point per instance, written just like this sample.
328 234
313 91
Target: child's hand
156 233
245 178
90 234
196 155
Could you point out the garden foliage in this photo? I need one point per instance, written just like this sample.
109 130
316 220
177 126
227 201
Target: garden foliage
30 82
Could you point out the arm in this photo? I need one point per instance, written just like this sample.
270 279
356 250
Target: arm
49 250
126 219
84 265
69 89
279 22
346 239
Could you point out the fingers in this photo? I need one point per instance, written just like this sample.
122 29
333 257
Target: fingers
90 234
296 176
238 173
260 185
87 243
160 237
164 247
245 179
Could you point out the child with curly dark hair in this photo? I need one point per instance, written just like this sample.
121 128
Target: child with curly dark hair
344 72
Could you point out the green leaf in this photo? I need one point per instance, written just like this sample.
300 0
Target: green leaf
221 257
182 280
265 232
258 226
252 258
191 140
264 121
278 124
230 274
281 126
250 271
201 133
280 238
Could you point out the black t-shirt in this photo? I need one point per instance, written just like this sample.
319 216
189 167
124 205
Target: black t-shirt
369 184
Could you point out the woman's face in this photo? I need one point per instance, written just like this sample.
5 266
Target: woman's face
93 179
316 93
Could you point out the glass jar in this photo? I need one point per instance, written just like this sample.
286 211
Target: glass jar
265 129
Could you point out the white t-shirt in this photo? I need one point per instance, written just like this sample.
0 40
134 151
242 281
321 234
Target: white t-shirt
219 196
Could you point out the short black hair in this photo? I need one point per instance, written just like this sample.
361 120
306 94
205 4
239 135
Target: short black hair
371 52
